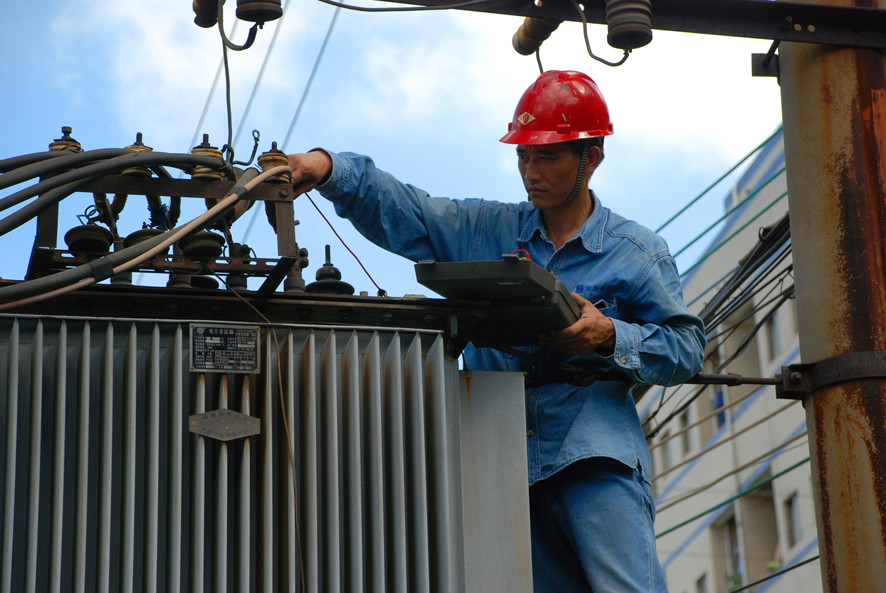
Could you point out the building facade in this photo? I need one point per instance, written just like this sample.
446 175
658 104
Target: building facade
732 477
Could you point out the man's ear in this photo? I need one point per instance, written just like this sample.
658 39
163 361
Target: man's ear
595 155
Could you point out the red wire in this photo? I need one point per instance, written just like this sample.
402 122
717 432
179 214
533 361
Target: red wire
381 291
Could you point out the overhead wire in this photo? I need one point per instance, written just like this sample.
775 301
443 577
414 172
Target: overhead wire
218 74
775 273
733 498
720 442
310 81
717 182
712 286
776 574
381 291
771 249
688 401
729 212
729 330
584 23
775 451
301 103
262 69
710 252
715 412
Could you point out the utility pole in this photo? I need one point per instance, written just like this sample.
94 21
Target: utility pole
834 112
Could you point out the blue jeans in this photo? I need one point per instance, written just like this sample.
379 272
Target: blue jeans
592 531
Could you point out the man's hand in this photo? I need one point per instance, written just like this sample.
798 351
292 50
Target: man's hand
592 332
309 170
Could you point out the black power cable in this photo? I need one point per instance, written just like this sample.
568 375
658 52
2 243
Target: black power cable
56 188
24 160
66 160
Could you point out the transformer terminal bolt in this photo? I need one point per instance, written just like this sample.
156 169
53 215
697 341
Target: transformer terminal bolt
274 158
138 146
206 149
66 142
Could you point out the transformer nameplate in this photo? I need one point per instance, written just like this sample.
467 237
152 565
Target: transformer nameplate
225 348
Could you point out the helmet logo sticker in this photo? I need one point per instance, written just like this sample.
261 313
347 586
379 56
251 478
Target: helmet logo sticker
525 117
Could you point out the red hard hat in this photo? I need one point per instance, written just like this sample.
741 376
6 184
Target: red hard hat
558 107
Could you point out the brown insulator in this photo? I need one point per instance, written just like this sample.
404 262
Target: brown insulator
138 146
66 142
274 158
206 149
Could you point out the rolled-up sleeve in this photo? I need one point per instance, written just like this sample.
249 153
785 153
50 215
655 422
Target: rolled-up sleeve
398 216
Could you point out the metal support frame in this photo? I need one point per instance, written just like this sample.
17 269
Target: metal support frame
797 381
846 26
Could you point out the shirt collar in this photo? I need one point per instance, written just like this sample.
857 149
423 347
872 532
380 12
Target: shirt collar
590 233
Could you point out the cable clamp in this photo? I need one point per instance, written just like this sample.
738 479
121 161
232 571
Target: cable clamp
797 381
101 269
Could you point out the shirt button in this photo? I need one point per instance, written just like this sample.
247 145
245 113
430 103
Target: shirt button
624 360
530 397
529 433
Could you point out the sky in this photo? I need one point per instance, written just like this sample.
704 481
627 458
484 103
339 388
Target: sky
426 94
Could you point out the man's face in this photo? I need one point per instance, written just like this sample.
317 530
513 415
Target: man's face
548 172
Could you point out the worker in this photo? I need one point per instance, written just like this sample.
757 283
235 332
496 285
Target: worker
591 505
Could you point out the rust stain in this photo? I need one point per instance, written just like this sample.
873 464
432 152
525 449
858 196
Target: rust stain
468 386
850 450
862 212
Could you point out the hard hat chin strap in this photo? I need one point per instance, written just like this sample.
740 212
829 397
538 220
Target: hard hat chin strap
582 165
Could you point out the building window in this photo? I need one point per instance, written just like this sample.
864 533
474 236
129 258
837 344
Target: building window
793 523
780 328
667 460
718 400
685 436
734 569
701 585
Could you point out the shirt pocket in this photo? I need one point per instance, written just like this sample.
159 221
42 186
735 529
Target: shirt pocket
609 307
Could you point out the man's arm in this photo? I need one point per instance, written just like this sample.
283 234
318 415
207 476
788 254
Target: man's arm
394 215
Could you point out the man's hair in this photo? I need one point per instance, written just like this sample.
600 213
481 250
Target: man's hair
576 145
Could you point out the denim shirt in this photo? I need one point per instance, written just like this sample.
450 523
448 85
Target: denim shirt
616 264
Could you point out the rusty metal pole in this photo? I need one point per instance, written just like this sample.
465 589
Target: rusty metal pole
834 110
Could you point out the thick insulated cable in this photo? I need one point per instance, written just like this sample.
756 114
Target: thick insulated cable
24 160
143 159
76 274
83 276
55 192
68 161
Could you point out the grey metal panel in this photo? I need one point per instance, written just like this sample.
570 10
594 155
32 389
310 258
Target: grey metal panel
495 499
355 482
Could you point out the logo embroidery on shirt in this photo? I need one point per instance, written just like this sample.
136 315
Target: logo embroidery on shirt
525 117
